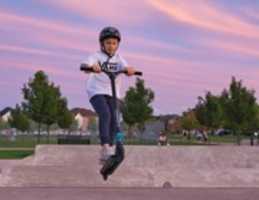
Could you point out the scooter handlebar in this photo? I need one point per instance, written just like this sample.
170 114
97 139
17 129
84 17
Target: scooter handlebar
138 73
87 68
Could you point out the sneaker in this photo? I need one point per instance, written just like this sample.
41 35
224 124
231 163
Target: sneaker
105 154
103 159
111 151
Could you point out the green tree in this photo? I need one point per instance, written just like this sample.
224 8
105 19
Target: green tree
256 121
240 108
19 119
42 101
51 108
74 126
65 117
3 124
35 98
209 111
137 109
92 126
189 122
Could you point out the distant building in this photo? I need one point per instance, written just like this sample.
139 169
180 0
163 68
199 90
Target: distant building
83 117
5 114
170 122
152 129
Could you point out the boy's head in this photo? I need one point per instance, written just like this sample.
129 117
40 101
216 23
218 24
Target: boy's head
109 39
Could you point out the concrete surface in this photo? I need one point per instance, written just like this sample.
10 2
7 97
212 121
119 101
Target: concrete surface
127 194
144 166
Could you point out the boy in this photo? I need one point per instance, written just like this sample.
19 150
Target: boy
99 87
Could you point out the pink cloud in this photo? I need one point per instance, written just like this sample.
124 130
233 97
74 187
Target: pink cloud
177 78
51 38
169 65
113 11
31 67
10 18
66 42
33 51
251 12
246 49
5 83
62 35
170 69
205 15
233 47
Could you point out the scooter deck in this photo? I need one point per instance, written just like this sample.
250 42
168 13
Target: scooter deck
113 162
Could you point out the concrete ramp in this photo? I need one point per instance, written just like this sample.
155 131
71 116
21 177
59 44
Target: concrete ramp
144 166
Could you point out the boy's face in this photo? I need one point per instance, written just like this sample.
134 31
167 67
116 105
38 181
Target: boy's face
111 45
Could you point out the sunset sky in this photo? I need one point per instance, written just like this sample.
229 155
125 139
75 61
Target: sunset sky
184 47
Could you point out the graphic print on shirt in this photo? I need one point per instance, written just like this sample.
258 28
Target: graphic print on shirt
100 83
110 66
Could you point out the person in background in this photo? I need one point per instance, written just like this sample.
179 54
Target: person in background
162 140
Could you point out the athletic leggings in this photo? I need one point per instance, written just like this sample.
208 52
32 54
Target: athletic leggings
105 110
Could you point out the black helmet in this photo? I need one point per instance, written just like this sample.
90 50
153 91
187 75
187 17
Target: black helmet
109 32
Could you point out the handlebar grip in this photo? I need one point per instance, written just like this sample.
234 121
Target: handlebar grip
138 73
86 68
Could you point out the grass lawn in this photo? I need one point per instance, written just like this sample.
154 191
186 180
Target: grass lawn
227 139
174 139
24 146
25 141
15 154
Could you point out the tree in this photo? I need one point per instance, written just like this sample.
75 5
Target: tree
189 122
137 109
42 101
74 126
209 111
92 126
65 117
3 124
51 108
235 109
256 125
19 120
240 108
35 98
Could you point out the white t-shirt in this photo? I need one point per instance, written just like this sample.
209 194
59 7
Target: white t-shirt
100 83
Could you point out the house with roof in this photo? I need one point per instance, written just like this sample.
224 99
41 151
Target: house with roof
170 121
83 117
5 114
158 124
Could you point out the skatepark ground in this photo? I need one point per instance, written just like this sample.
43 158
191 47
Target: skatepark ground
82 193
148 172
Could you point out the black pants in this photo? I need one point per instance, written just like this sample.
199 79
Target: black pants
108 127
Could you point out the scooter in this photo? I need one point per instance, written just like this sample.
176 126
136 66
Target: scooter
115 160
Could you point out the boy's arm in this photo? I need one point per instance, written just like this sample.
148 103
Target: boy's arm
130 70
92 61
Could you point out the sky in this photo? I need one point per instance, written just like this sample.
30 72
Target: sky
183 47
